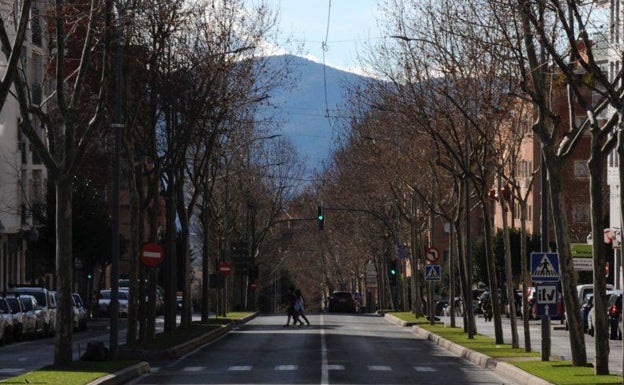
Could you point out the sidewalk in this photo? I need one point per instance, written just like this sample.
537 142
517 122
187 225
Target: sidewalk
560 341
560 346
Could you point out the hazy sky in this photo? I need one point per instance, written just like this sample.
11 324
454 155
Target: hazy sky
351 24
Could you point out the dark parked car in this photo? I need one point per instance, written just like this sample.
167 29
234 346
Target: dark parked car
341 302
614 314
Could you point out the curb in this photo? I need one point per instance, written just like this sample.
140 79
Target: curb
137 370
124 375
503 368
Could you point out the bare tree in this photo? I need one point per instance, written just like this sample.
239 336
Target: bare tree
69 132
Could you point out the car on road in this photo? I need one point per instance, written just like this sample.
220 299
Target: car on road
9 321
104 300
341 302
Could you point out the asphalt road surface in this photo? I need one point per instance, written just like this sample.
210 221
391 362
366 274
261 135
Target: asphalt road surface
335 349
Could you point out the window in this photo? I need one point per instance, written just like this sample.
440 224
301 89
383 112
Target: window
580 213
580 169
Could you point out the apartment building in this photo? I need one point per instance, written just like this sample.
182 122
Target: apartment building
22 175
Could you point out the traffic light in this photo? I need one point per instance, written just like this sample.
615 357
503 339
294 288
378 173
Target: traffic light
320 218
392 271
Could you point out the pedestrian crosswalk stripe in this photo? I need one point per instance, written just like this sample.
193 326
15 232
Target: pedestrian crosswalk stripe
424 369
239 368
379 367
193 368
286 367
11 370
335 367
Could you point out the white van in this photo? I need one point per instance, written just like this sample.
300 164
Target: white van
588 288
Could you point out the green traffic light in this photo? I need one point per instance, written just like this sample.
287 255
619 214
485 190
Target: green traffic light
320 217
393 272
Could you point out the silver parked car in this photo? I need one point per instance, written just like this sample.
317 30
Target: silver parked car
80 313
19 319
33 315
9 320
104 302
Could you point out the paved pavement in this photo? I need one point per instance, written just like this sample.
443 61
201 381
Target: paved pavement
559 341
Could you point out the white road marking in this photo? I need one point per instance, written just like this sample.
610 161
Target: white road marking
11 370
382 368
335 367
324 366
286 367
239 368
424 369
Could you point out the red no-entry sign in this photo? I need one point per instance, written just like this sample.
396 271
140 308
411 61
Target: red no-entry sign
152 254
225 268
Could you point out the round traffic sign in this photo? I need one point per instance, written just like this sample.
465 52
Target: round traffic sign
152 254
225 268
432 254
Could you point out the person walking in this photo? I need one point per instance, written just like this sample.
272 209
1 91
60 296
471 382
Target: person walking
300 308
290 310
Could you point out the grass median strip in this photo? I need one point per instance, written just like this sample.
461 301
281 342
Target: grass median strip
84 372
79 373
555 372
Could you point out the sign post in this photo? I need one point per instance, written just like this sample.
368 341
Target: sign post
545 271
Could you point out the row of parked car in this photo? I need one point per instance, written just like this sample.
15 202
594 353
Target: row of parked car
30 311
614 314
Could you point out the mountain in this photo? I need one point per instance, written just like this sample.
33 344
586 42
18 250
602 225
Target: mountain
303 116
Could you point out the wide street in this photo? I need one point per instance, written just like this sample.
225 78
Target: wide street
335 349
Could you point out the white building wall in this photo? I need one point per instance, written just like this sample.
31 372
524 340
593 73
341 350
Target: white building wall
16 165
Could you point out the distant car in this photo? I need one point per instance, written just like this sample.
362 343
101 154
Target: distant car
341 302
80 313
9 320
3 335
614 315
105 299
614 312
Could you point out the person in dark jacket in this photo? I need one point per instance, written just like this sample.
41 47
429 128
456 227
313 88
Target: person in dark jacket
300 308
291 298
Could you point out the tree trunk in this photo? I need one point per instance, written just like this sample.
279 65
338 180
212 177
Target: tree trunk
568 275
596 172
511 295
186 316
64 270
416 277
525 276
492 276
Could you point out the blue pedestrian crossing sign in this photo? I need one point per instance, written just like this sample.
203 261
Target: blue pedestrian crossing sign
432 273
545 267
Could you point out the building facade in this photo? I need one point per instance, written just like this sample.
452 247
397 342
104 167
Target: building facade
23 177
